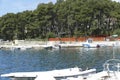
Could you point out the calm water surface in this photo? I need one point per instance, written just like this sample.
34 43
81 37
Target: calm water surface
43 60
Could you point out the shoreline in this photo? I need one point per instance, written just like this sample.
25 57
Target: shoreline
23 45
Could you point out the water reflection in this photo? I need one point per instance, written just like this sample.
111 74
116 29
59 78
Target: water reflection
43 60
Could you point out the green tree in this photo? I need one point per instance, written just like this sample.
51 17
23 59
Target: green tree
65 18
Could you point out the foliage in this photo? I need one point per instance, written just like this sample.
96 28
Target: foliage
117 31
65 18
50 35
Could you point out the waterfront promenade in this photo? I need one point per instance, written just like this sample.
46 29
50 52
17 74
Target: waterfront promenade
24 44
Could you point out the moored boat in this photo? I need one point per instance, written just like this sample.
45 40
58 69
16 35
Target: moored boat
49 75
111 71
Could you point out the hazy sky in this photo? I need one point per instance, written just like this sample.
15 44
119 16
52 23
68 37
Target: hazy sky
117 0
14 6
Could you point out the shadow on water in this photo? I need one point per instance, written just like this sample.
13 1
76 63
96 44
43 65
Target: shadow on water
44 60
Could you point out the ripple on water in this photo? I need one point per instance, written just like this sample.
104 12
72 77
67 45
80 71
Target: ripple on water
43 60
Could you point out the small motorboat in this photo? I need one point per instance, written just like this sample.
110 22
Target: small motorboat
50 75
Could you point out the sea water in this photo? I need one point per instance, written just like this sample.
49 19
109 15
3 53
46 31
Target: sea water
45 60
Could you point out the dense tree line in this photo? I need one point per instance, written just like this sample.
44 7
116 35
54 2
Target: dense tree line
65 18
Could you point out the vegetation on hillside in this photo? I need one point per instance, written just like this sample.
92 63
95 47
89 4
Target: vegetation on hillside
65 18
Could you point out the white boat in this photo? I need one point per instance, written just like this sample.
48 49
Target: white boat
49 75
56 46
46 46
111 72
90 44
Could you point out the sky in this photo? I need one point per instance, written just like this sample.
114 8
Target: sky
116 0
15 6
